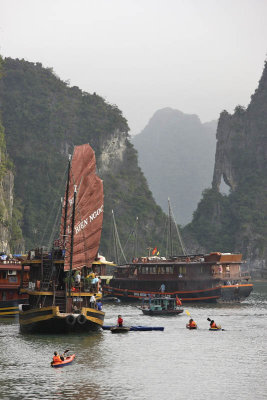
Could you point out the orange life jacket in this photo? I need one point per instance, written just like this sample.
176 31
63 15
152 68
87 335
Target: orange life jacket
213 325
192 324
56 359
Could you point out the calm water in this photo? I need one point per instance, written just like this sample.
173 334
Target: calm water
174 364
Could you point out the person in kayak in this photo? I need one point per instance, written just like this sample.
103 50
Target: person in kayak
213 325
191 324
120 320
56 358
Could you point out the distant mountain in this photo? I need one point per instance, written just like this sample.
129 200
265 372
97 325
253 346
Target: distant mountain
176 153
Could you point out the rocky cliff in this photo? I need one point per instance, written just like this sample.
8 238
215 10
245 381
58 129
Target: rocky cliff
238 222
44 119
176 152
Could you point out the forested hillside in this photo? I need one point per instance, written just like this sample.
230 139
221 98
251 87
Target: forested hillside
176 152
43 119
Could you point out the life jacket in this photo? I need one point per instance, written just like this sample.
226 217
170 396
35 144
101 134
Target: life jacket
120 321
56 359
213 325
192 324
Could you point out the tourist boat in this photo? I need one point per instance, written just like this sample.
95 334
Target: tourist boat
161 306
68 360
213 277
58 303
10 281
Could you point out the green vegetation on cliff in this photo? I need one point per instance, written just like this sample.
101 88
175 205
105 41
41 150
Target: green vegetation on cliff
44 118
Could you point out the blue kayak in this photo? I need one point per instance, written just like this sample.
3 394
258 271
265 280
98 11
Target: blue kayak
137 328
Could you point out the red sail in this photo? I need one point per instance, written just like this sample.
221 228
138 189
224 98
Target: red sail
89 209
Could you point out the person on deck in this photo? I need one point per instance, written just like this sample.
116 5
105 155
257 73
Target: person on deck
162 288
56 357
99 305
92 301
78 279
191 324
120 320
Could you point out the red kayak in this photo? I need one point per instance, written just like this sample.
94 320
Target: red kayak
68 360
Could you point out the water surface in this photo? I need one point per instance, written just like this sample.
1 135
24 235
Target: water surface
174 364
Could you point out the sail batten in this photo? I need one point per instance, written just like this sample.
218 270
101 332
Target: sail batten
89 209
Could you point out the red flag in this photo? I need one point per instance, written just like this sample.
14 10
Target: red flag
154 251
178 301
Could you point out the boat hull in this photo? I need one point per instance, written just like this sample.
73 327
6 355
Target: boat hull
10 308
50 320
225 293
206 295
162 312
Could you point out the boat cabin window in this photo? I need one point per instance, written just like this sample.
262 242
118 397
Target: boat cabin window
182 270
3 275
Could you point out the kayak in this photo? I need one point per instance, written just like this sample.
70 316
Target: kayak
191 327
216 329
119 329
136 328
68 360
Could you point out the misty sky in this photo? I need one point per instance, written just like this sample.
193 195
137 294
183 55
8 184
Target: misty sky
198 56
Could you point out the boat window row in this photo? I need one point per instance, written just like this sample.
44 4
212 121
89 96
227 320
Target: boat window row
156 270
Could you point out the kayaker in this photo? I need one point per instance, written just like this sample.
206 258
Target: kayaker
191 324
120 320
56 357
213 325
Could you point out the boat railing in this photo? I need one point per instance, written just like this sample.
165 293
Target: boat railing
228 275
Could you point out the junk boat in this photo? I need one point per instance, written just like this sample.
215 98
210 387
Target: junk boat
214 277
61 283
11 279
161 306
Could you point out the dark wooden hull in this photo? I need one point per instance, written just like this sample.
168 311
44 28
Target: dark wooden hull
161 312
230 293
10 308
50 320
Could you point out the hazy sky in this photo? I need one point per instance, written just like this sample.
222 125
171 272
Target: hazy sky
198 56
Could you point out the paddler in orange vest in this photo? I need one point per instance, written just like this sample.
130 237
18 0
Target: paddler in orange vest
212 324
191 324
56 357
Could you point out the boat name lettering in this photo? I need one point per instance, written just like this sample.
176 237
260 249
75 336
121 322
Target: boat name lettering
81 226
84 223
96 213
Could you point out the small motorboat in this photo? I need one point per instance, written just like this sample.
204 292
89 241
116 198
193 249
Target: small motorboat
68 360
119 329
161 306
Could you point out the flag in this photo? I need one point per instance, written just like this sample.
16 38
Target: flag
178 301
154 251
